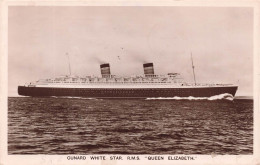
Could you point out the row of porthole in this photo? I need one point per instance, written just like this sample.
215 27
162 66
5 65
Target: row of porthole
96 89
120 91
124 90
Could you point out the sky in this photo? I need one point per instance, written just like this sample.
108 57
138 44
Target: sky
219 38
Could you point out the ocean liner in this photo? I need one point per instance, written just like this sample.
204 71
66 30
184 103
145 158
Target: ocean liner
112 86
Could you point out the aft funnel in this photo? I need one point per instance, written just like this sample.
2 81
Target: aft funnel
105 70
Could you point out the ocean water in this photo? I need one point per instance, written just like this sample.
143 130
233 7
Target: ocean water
129 126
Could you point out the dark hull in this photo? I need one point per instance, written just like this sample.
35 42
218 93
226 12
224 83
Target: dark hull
126 93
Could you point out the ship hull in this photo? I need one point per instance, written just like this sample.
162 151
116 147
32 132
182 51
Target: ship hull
126 92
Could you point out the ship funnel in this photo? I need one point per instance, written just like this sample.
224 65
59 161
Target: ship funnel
148 69
105 70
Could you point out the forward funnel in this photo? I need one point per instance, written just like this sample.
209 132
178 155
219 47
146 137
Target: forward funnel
148 69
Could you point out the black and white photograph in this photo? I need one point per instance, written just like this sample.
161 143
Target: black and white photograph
130 80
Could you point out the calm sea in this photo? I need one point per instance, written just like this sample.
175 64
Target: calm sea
121 126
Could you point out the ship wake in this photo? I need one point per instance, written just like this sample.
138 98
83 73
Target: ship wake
225 96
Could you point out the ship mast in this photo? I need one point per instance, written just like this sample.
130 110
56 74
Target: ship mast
193 69
69 62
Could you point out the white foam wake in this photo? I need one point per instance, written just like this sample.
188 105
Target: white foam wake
225 96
